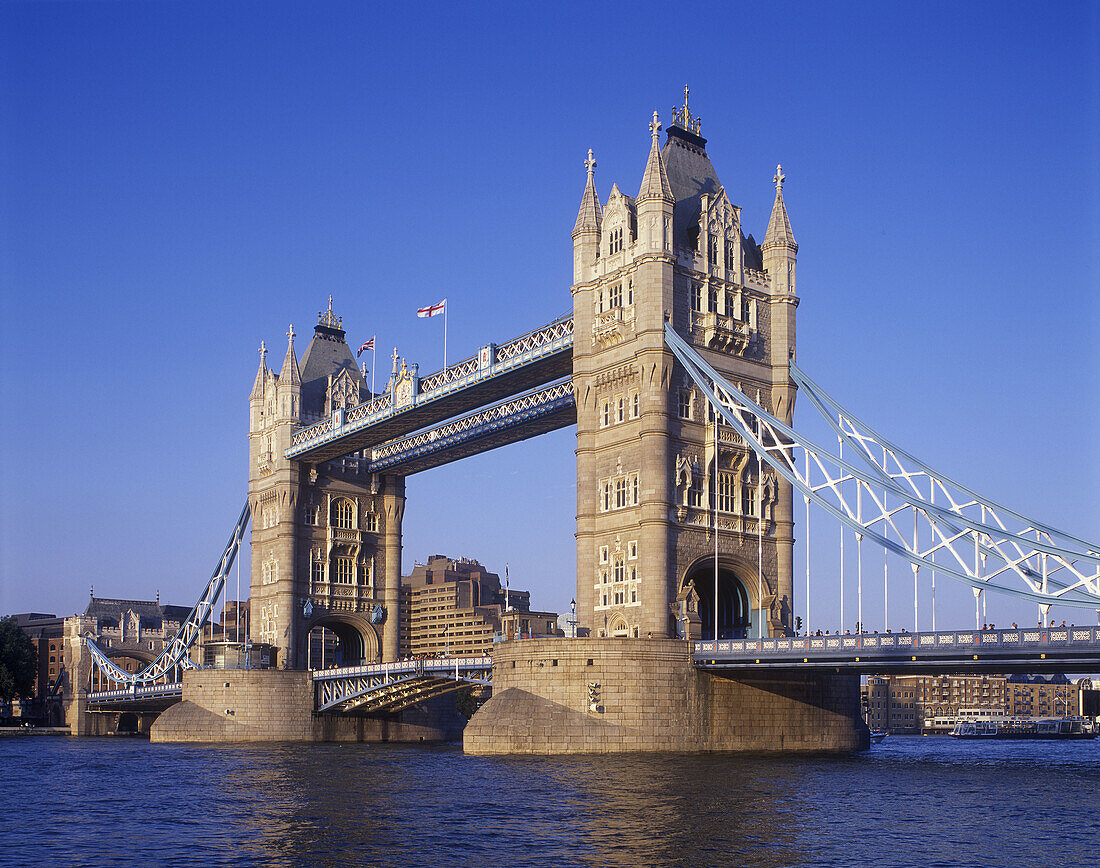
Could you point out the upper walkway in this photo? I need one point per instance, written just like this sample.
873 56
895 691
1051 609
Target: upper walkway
1024 650
495 373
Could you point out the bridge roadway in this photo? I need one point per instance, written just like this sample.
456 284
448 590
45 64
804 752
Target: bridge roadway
496 373
1030 650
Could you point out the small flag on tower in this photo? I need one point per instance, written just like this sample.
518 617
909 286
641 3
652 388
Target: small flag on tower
432 310
367 345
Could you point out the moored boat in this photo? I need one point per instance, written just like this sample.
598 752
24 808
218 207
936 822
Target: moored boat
1027 728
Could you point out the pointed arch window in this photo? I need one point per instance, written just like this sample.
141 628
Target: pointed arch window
343 514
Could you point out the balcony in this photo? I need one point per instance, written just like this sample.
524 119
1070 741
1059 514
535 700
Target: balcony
724 333
610 326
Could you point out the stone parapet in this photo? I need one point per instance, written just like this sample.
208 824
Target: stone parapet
621 695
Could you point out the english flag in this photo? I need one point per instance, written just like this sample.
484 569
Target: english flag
433 309
367 345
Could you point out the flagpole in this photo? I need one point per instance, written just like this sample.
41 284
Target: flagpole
444 335
373 364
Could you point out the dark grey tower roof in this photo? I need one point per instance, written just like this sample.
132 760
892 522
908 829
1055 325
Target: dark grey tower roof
690 175
328 353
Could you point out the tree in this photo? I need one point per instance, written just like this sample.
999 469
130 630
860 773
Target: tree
18 661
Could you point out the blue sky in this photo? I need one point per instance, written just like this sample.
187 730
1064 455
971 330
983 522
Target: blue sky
182 180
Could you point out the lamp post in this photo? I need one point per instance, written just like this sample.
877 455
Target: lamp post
573 618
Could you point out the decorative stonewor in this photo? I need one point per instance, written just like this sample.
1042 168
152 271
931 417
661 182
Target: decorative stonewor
649 472
326 539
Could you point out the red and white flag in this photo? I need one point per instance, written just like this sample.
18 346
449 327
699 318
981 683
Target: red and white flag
367 345
432 310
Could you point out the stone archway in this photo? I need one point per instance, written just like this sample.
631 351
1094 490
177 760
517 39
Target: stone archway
734 600
340 640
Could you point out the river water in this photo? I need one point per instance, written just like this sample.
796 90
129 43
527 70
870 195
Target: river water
908 801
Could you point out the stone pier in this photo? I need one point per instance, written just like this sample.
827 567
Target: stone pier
253 705
615 695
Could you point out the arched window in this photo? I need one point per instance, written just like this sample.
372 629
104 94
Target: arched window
343 514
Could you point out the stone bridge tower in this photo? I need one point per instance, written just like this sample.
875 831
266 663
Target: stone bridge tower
326 539
649 476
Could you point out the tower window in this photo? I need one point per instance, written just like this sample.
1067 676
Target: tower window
317 571
345 571
630 291
606 414
683 403
697 297
712 249
726 492
634 405
615 295
616 240
748 500
343 514
622 410
729 254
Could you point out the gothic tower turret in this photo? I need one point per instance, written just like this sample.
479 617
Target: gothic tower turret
586 231
325 538
650 475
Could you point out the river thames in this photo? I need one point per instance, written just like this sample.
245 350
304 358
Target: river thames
910 801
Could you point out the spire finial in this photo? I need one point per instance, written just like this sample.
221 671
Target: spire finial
263 351
681 116
779 177
590 164
395 357
655 125
290 334
327 318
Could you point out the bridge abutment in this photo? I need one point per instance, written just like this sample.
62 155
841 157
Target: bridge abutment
643 695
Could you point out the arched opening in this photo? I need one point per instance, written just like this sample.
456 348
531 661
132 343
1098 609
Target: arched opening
127 723
734 611
338 642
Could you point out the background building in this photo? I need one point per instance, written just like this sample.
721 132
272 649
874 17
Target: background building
907 703
455 606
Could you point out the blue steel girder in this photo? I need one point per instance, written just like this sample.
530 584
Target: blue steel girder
512 421
1020 649
393 686
1070 575
529 361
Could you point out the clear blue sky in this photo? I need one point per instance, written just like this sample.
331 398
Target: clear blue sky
182 180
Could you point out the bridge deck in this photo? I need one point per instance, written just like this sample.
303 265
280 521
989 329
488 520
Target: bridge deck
1031 650
527 362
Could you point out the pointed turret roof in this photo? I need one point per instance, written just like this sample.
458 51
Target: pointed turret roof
327 353
290 374
655 180
261 375
590 215
779 226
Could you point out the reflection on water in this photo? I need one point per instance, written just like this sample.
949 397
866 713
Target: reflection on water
909 801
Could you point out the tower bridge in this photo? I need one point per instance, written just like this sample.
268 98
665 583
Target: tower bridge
677 365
